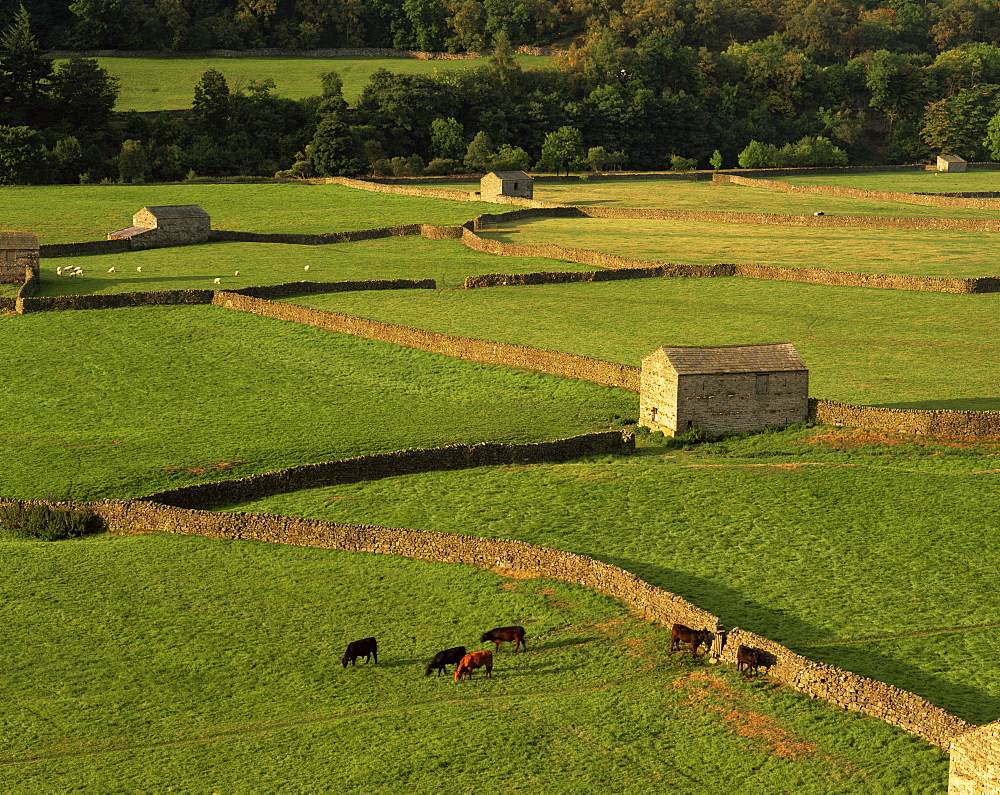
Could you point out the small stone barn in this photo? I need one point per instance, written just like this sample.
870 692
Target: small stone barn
18 251
952 163
506 183
723 388
167 225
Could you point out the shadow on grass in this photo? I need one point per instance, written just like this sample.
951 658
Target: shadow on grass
954 404
958 698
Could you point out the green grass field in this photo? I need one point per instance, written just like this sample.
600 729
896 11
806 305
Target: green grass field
849 556
125 402
149 84
904 349
912 252
153 663
69 214
907 181
448 262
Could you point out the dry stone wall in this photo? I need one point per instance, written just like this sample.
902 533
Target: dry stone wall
947 424
975 762
86 249
483 351
383 465
114 301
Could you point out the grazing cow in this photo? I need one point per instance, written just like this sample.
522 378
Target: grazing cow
502 634
445 658
366 647
682 634
748 659
477 659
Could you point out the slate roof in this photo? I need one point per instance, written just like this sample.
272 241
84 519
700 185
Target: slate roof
951 159
129 231
779 357
177 211
18 241
508 175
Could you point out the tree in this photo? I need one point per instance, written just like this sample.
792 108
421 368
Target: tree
447 138
23 68
479 154
562 150
716 160
22 156
332 100
758 155
133 162
211 102
84 93
957 125
510 158
335 152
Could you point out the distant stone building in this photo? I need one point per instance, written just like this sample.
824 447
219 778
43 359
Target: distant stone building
167 225
506 183
18 252
722 389
952 163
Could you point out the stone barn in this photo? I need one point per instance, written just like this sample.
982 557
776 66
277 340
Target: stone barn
951 163
506 183
167 225
18 251
723 388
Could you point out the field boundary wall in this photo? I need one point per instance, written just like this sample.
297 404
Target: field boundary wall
329 52
921 422
385 465
926 200
518 558
887 281
567 365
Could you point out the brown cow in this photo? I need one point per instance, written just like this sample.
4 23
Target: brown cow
747 658
682 634
505 634
477 659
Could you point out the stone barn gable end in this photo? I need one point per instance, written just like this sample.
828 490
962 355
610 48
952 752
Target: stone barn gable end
506 183
952 163
18 251
166 225
723 388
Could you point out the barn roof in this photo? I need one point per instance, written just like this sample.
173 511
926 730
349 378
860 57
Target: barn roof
10 241
951 158
508 175
733 358
177 211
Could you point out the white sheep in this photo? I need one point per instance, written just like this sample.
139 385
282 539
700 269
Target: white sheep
306 268
59 271
139 269
218 281
111 270
236 274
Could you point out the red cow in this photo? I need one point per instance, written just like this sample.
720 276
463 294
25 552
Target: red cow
477 659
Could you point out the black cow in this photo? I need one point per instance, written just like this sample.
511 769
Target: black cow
366 647
505 634
747 659
682 634
445 658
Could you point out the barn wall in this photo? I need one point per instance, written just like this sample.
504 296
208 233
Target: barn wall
729 402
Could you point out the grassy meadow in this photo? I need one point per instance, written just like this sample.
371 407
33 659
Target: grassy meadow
151 84
125 402
157 663
904 349
876 557
448 262
911 252
150 662
907 181
69 214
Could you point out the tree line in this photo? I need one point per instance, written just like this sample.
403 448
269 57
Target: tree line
651 104
825 30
